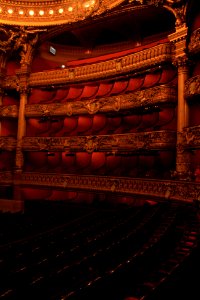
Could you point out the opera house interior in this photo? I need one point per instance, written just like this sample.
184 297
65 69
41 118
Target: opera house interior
99 149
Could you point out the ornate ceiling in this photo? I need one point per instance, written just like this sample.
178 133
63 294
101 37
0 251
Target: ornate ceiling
51 12
55 12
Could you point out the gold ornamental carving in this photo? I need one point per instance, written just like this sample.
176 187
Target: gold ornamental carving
174 190
6 177
192 87
194 44
10 111
191 137
7 143
136 100
155 140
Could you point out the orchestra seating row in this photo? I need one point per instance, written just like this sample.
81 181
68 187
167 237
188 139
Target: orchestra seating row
59 251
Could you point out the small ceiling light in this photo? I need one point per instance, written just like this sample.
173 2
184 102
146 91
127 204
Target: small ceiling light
41 12
10 11
51 11
86 5
70 8
62 66
60 10
21 12
31 12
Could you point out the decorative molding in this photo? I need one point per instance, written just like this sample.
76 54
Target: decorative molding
174 190
191 137
143 98
8 111
194 44
179 40
192 87
6 178
146 141
7 143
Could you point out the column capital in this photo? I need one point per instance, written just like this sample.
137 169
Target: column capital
179 40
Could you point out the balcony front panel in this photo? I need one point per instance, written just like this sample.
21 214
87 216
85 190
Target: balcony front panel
174 190
156 140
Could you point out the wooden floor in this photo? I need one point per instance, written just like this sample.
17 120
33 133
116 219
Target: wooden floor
58 251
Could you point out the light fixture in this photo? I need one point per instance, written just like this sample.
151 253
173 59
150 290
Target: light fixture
31 12
41 12
60 10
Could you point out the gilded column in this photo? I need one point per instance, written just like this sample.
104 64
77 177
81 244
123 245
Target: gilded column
181 61
23 75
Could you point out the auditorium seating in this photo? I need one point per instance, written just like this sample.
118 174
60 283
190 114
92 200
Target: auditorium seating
62 251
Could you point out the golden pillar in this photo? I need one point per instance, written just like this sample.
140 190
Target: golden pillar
181 61
21 131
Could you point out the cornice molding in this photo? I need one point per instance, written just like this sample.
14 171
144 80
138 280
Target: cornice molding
143 98
170 190
192 87
131 142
